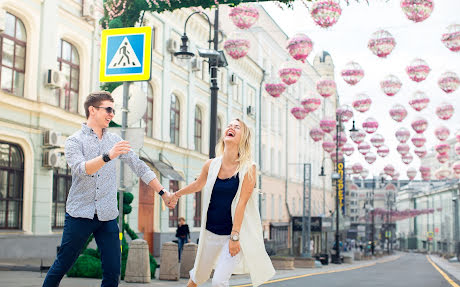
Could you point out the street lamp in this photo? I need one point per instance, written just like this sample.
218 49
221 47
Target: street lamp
216 60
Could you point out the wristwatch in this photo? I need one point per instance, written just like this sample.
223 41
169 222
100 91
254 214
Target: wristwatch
161 192
234 237
106 157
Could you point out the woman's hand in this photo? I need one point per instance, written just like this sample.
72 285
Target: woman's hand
234 247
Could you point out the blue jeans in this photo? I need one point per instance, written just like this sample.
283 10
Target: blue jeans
74 237
181 242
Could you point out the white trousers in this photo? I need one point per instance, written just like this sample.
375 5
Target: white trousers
216 253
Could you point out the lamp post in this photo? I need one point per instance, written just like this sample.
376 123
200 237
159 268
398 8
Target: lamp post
216 59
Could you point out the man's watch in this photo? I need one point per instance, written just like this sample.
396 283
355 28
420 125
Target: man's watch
161 192
234 237
106 157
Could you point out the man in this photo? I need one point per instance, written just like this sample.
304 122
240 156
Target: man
91 206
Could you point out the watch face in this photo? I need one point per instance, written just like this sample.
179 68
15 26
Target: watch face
235 237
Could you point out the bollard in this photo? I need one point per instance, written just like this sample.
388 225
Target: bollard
188 259
169 262
138 264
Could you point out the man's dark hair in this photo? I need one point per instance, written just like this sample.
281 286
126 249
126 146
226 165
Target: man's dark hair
94 99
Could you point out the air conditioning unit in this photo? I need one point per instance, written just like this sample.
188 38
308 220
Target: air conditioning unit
51 158
54 79
89 10
197 64
251 111
51 138
2 19
172 46
233 79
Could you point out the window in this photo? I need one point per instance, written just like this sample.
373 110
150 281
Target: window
13 56
69 65
11 186
148 116
219 129
197 217
198 129
174 120
62 180
173 213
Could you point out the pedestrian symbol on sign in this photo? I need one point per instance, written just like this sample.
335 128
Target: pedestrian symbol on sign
125 57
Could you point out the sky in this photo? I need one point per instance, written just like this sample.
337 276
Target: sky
347 41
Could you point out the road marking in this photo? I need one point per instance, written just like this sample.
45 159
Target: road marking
451 282
325 272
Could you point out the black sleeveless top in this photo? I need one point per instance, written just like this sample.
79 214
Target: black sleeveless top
219 216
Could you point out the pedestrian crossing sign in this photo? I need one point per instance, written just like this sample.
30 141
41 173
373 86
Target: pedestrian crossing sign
125 54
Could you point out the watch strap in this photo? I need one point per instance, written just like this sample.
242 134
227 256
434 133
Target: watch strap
161 192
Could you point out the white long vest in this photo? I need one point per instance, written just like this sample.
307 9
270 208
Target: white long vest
255 260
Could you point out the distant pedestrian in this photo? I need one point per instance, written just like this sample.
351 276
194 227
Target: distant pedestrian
91 207
182 234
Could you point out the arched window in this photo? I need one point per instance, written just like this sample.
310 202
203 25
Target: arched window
174 120
219 129
69 65
198 129
12 59
11 185
148 116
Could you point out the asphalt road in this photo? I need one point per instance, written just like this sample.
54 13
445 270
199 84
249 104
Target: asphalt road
410 270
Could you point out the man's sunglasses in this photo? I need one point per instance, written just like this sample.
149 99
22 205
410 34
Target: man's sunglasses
109 110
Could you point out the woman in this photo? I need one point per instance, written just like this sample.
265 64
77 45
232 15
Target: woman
182 234
231 239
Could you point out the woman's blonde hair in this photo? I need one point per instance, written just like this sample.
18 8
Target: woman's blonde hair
244 148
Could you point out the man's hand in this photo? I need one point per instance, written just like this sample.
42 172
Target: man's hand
121 147
173 200
167 196
234 247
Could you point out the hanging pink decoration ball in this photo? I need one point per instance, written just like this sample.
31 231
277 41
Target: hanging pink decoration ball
326 87
327 125
352 73
424 169
383 151
403 148
389 170
357 136
417 10
395 176
328 146
442 148
364 148
398 112
244 16
326 13
316 134
377 140
341 139
348 149
370 157
345 112
449 82
275 89
364 173
370 125
290 76
442 133
311 104
402 134
362 103
418 70
456 169
442 158
381 43
457 136
442 173
299 47
452 38
336 157
418 140
407 158
357 168
419 101
420 151
411 173
419 125
237 48
445 111
299 112
390 85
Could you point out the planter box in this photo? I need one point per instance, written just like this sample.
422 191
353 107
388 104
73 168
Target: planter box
283 263
300 262
347 259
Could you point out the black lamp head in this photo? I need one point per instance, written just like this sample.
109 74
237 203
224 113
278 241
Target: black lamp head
184 54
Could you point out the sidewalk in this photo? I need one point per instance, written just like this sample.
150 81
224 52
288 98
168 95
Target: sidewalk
453 268
32 279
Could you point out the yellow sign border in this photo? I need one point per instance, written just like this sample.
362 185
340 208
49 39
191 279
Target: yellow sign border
145 76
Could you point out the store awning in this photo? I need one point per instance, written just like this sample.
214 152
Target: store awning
167 171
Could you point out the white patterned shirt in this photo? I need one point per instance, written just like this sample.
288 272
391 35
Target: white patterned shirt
97 193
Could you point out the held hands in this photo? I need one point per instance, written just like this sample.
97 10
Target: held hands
121 147
234 247
170 199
